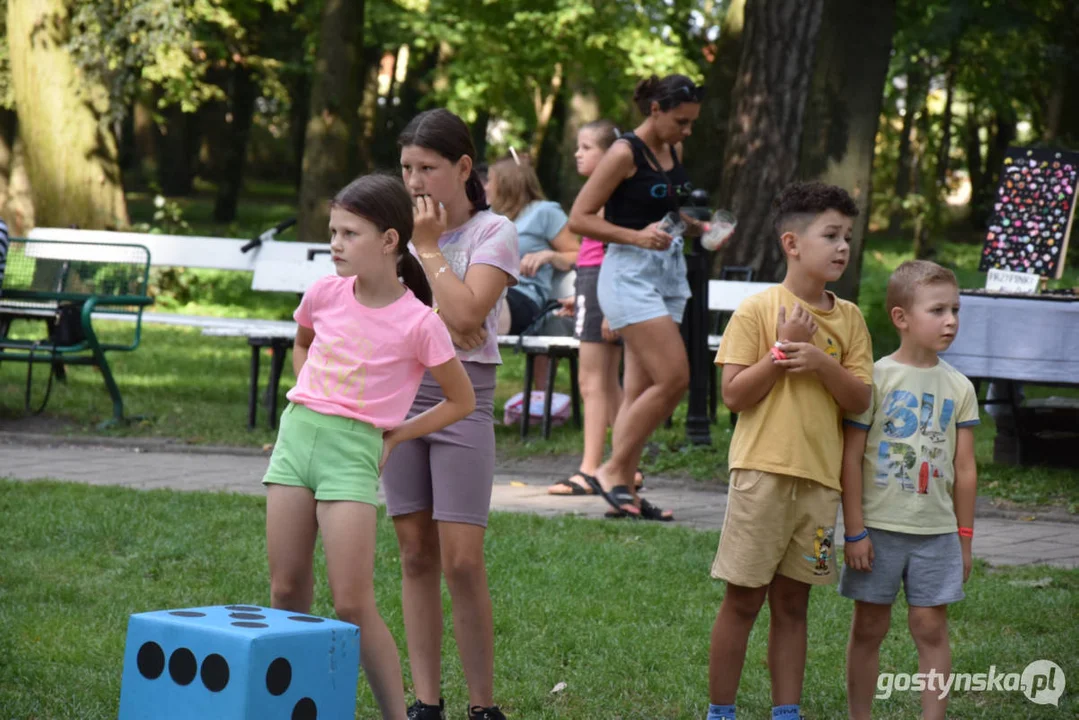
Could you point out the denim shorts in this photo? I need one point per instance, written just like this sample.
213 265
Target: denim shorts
636 285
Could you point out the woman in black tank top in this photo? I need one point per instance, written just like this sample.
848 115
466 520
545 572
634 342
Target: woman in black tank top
642 287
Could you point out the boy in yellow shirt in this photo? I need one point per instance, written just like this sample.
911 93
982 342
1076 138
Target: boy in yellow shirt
909 482
795 358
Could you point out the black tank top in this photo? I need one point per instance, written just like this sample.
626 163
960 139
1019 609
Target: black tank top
641 200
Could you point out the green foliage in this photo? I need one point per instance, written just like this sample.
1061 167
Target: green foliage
505 56
172 48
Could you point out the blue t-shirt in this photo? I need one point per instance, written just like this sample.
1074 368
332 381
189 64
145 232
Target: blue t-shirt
537 225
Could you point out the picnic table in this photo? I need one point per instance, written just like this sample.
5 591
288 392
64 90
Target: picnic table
1013 340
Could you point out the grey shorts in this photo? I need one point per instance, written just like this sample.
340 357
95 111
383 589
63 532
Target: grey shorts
450 472
589 321
636 285
930 568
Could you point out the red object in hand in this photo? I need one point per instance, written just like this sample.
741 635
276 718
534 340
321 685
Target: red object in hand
777 353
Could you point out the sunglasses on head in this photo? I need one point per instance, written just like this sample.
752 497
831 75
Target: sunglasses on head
681 94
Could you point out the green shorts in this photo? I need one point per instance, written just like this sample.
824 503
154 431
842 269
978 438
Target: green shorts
334 457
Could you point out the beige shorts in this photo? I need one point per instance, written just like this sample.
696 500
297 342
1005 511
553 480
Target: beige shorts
777 525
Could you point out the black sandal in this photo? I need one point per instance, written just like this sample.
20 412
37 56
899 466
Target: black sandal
618 498
654 512
574 488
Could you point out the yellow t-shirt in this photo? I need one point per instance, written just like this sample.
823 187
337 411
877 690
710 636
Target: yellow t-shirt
909 467
797 429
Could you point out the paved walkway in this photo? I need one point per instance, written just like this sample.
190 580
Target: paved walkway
998 541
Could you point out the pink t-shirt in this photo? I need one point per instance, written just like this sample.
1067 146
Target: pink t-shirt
486 239
366 363
591 254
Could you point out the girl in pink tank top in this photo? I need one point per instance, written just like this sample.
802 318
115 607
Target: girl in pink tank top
600 352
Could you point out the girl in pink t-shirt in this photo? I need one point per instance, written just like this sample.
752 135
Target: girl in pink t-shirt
365 339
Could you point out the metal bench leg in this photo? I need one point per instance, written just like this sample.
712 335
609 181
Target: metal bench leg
526 414
574 390
253 390
548 395
110 384
277 364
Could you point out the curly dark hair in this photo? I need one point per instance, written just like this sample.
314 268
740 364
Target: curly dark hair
800 202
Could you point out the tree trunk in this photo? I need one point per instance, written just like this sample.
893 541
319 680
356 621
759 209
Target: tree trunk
974 164
1000 138
8 127
544 103
704 149
369 108
779 44
945 150
71 155
550 160
177 147
917 87
335 99
927 221
843 110
581 109
242 97
479 134
297 119
19 211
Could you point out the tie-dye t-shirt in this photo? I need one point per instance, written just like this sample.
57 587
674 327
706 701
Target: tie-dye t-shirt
366 363
486 239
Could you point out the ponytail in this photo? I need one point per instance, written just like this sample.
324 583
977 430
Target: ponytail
476 194
414 278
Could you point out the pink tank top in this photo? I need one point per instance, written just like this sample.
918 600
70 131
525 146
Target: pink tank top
591 254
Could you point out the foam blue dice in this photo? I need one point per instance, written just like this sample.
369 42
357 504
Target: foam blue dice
238 662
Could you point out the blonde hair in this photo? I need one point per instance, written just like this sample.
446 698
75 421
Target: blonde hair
904 283
515 186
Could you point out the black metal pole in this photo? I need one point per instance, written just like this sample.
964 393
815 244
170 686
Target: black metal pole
698 262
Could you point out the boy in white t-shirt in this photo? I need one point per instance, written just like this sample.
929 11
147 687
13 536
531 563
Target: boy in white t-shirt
909 483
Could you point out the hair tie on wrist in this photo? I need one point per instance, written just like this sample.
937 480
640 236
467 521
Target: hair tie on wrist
855 538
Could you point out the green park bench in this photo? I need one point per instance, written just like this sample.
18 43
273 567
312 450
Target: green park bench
66 285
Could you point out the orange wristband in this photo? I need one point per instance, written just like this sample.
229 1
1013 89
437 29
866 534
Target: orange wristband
966 532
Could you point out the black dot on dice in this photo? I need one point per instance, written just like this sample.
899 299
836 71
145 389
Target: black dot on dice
151 660
247 616
182 666
305 709
305 618
215 673
243 608
278 676
244 623
187 613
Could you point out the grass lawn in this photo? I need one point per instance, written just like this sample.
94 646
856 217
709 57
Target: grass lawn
620 612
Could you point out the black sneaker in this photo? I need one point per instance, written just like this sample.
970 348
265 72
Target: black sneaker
422 711
482 713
